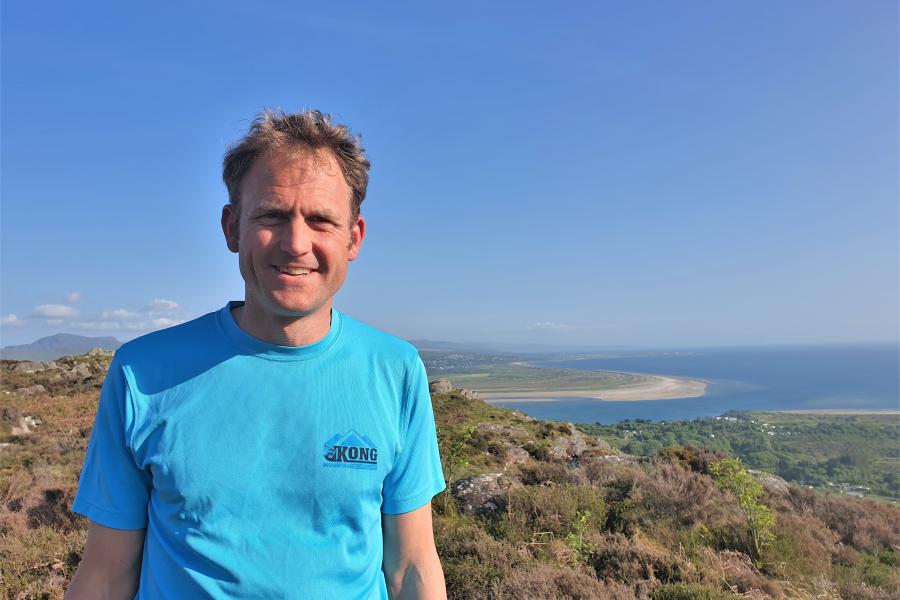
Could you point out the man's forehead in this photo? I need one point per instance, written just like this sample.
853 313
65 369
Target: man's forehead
273 177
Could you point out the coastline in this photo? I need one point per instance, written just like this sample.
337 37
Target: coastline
655 387
837 411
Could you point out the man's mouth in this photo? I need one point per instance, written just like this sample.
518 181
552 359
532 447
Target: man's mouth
295 271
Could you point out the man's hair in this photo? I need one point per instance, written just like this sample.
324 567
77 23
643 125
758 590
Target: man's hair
306 133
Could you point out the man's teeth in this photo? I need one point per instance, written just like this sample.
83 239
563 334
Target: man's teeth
289 271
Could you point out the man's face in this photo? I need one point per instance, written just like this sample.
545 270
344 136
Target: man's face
294 235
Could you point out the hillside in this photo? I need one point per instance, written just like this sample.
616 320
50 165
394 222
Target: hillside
535 510
55 346
857 454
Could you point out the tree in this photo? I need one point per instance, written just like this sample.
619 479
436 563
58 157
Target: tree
731 476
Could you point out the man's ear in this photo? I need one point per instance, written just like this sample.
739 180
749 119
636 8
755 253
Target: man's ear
230 226
357 234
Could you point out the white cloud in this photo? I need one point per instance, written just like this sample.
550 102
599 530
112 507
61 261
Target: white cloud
157 314
55 311
11 320
119 313
163 322
96 325
550 326
73 297
163 305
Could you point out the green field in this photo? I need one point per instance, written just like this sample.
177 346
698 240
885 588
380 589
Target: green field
520 377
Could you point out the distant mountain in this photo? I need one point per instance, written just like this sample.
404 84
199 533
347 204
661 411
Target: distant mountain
54 346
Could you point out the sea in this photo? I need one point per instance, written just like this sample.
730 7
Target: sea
782 378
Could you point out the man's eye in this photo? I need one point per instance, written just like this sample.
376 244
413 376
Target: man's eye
269 217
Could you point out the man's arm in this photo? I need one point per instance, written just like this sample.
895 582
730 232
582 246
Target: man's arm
411 565
111 566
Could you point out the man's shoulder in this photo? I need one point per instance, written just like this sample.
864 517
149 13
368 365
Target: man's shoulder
376 341
172 343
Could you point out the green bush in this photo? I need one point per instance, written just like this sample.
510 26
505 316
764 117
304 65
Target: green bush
689 591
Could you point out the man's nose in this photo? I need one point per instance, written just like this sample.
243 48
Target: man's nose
296 239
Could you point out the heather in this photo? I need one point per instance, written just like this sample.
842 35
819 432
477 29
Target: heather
533 509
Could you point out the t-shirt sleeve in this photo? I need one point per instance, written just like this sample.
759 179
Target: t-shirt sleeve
113 490
416 475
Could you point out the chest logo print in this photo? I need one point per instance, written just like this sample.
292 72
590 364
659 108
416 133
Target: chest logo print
350 450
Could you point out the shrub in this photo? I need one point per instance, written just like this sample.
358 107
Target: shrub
680 591
631 560
538 473
472 560
552 511
732 477
683 496
697 460
864 525
736 571
554 583
537 452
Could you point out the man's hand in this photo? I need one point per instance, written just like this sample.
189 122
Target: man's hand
411 565
111 566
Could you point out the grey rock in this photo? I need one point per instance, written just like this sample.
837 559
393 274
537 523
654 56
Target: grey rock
772 483
502 430
590 457
570 446
79 372
470 394
82 370
483 495
26 425
516 455
31 390
30 366
520 415
440 386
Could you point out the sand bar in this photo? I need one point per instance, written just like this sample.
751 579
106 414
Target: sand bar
837 411
654 387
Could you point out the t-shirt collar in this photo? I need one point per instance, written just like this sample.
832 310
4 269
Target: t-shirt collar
264 349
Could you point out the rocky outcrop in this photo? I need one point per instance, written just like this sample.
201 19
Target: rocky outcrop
26 425
79 372
502 430
29 366
772 483
483 495
31 390
439 386
573 445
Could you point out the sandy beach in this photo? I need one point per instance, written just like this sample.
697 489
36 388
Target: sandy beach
839 411
657 388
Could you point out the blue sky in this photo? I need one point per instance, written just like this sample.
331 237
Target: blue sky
674 174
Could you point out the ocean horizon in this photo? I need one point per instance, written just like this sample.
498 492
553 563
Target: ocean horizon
852 377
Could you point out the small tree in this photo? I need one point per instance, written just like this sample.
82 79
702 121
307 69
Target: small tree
731 476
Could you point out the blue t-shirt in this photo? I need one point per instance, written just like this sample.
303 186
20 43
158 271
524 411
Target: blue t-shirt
261 471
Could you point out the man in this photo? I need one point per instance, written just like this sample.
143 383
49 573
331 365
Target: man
276 448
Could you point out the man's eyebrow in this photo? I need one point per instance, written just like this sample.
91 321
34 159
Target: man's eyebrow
269 207
324 213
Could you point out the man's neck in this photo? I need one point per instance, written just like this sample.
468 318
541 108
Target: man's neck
283 331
